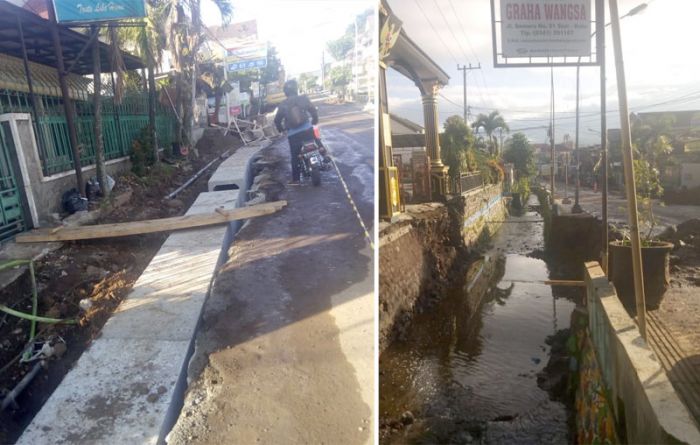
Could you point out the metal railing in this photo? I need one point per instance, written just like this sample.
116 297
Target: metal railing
470 181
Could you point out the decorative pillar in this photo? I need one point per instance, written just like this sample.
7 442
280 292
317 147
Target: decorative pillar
389 188
438 171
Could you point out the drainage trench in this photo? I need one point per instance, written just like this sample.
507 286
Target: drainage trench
473 366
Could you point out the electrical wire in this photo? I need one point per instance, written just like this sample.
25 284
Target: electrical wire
435 31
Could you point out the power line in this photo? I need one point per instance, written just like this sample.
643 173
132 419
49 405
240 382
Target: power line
471 48
464 53
449 28
435 30
466 36
587 117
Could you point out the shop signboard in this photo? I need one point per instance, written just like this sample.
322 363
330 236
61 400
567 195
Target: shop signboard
97 10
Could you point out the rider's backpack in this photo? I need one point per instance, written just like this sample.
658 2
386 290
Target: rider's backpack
296 116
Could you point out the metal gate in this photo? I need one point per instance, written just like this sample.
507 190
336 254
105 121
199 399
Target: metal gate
11 207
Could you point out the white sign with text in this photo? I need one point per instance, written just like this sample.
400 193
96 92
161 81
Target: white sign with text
546 28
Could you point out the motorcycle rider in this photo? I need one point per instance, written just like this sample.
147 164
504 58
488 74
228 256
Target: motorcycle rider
293 115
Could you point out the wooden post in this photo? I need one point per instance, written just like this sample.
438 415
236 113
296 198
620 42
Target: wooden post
630 187
151 97
97 114
68 107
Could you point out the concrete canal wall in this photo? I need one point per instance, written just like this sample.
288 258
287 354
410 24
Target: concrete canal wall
642 398
426 250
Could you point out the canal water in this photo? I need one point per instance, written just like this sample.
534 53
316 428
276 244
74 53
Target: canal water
468 370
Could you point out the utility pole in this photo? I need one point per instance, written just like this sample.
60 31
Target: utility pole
551 138
354 61
577 207
464 70
323 69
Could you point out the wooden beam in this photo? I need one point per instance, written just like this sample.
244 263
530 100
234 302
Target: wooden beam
572 283
149 226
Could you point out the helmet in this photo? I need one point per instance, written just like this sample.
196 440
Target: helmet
291 88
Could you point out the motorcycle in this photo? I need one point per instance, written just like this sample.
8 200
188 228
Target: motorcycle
313 159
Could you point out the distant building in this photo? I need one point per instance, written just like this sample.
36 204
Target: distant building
407 138
365 70
681 168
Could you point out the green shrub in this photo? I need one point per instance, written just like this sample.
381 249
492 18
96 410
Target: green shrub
142 156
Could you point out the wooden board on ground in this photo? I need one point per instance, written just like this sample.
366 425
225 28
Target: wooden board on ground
218 216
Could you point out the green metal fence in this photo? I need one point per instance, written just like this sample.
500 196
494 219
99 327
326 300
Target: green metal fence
121 124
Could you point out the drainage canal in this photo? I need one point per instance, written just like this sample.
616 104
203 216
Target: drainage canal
474 366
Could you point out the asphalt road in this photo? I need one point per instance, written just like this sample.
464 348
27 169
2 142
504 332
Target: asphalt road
285 353
617 207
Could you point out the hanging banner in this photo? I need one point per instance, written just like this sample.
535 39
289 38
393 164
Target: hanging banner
546 28
97 10
246 57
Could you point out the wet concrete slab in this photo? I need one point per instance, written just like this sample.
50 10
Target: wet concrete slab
119 392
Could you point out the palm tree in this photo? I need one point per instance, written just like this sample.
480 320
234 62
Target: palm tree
185 42
167 26
490 123
147 39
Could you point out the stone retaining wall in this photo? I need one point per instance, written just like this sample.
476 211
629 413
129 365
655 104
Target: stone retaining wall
484 211
426 251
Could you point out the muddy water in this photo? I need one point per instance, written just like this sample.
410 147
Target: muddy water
468 371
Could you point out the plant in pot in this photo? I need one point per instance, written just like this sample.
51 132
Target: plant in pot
655 253
520 193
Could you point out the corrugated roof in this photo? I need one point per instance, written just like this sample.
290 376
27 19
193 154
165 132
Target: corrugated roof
44 79
39 43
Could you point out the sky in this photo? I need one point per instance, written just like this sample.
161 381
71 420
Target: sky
659 49
299 29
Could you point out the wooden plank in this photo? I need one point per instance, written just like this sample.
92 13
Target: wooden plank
572 283
149 226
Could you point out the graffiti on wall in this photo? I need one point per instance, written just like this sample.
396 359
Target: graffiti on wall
595 416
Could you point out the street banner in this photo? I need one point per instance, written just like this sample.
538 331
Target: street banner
97 10
246 57
546 28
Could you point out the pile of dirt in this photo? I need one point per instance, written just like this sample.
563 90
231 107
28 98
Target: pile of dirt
684 196
685 258
87 280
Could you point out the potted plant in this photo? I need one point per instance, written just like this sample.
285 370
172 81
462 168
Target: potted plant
520 193
655 253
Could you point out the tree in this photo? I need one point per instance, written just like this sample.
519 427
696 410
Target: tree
340 47
271 73
185 37
340 78
307 81
97 117
215 84
490 123
648 186
521 154
456 142
651 137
